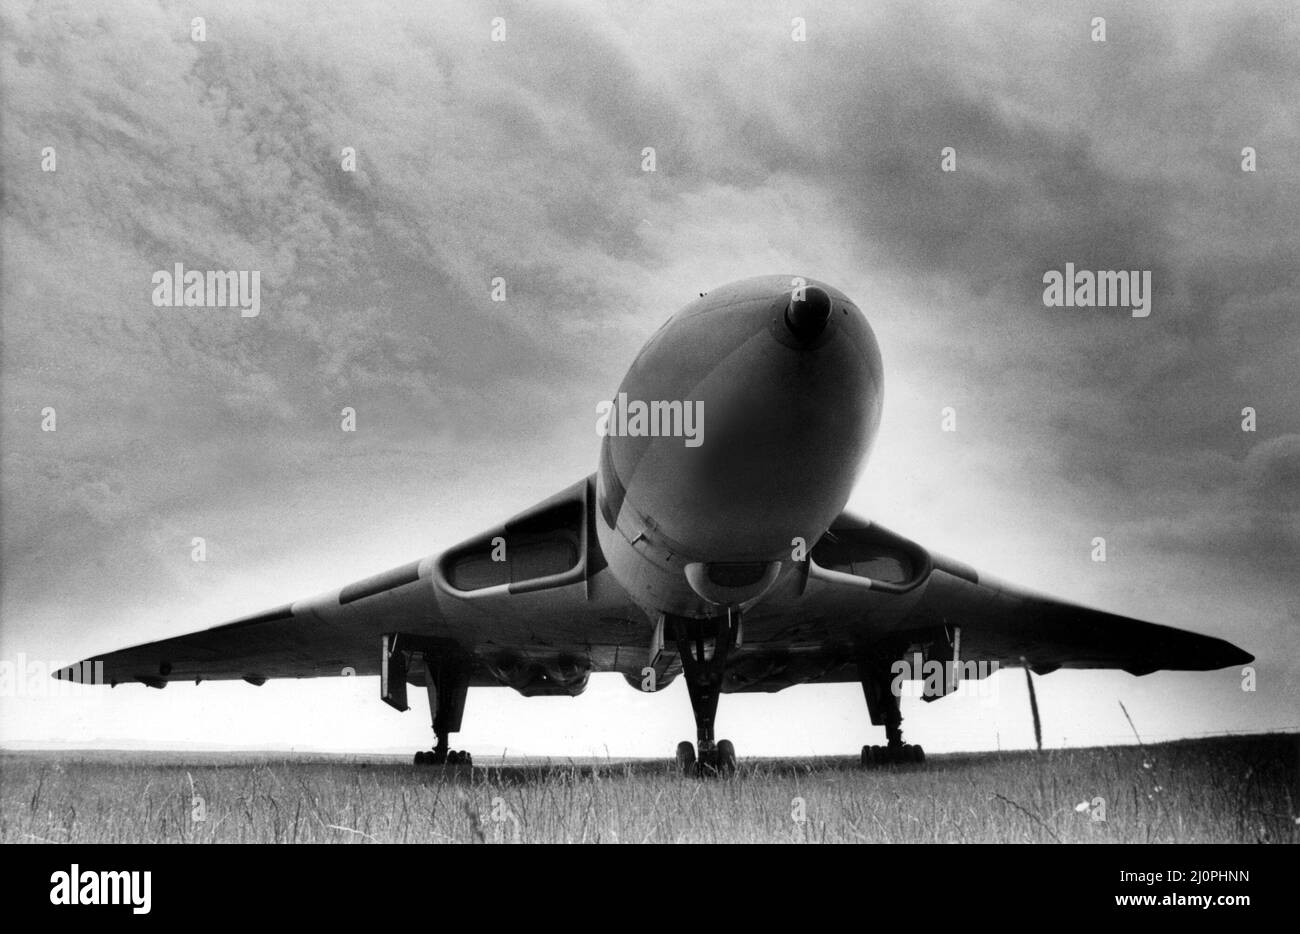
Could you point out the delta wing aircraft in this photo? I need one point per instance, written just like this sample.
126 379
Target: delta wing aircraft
710 544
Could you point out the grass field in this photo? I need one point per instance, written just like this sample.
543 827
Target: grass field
1232 789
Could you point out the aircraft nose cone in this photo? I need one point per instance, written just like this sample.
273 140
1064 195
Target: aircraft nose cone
808 312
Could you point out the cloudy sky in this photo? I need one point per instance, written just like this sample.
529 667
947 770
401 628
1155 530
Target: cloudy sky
523 159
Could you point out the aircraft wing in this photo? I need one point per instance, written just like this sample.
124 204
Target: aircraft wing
531 604
516 605
1003 622
861 569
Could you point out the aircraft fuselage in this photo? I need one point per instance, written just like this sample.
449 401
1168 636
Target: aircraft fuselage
784 381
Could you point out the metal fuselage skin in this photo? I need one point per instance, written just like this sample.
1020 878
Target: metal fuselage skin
785 424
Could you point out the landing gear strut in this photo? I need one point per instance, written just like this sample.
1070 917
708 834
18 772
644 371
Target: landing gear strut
704 666
448 686
884 707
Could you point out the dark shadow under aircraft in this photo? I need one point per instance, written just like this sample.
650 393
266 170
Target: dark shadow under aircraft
710 544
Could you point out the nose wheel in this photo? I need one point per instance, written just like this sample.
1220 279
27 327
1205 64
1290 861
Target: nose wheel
720 760
703 645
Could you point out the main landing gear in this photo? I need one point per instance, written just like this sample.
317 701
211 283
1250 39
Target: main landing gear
441 755
703 645
884 708
448 688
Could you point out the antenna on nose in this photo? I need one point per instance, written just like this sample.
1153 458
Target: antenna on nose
808 312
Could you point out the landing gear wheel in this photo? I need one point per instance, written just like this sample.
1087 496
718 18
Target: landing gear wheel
726 753
892 755
443 757
876 756
685 758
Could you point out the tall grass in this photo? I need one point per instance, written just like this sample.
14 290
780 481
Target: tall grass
1232 789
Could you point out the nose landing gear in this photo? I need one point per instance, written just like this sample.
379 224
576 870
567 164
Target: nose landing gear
703 645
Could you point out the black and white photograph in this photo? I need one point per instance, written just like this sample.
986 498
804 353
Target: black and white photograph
529 421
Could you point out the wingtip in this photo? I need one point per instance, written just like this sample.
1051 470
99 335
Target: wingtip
86 671
1229 656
